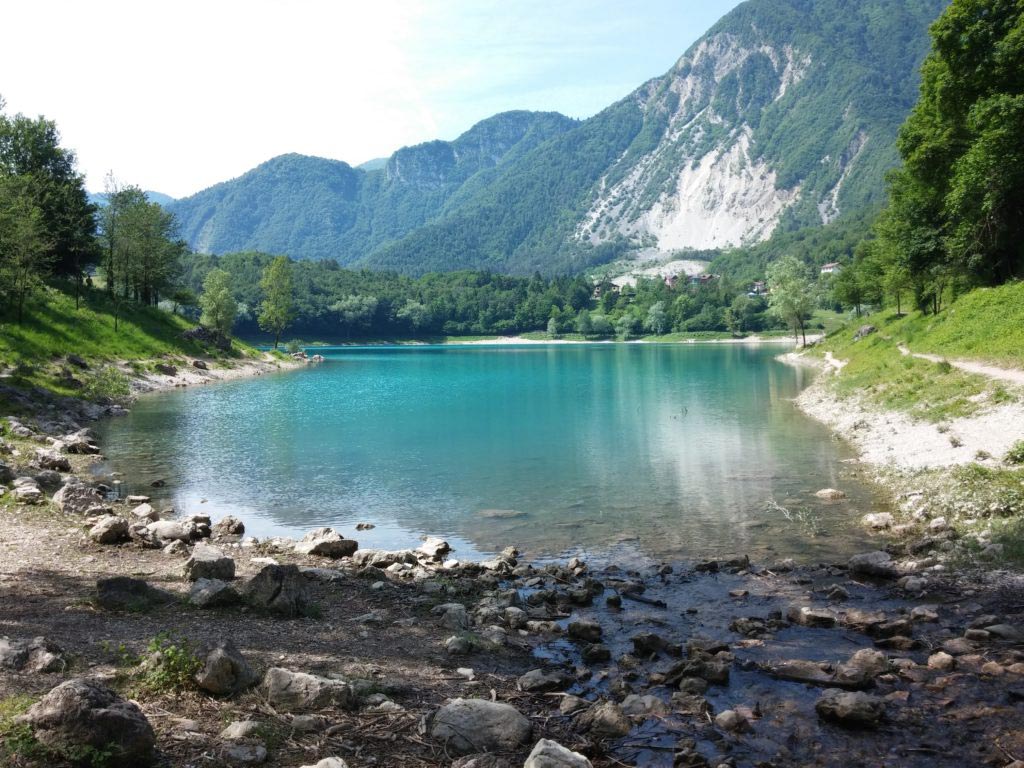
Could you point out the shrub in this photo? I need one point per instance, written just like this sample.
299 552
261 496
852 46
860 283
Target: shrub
108 384
169 664
1016 453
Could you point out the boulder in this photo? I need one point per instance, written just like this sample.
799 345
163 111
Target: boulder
27 493
6 474
326 542
123 593
209 562
81 442
47 458
162 532
434 548
76 498
453 615
290 691
863 667
35 655
466 726
225 671
109 529
145 511
863 331
49 480
80 713
879 521
585 629
541 681
229 526
806 616
379 558
850 708
279 589
878 564
606 721
212 593
551 754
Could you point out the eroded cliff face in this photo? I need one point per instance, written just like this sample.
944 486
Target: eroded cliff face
703 183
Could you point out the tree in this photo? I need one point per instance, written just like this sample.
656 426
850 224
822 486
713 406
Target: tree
789 294
24 248
415 315
553 326
30 151
600 325
584 325
657 319
277 310
218 303
627 326
183 298
356 311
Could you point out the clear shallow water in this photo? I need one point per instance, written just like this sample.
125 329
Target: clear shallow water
656 450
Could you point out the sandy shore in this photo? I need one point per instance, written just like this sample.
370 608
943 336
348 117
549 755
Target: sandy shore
186 373
894 440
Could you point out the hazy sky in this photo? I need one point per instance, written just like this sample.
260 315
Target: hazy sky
177 96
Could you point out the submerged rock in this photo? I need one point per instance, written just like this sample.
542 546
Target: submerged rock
606 720
878 564
852 709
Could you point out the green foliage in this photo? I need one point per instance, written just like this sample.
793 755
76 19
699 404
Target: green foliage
789 293
277 309
1015 455
168 664
218 303
108 384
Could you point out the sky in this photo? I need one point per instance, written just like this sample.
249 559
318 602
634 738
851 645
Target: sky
175 97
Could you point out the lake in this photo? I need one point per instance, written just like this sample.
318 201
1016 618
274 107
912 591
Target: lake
660 451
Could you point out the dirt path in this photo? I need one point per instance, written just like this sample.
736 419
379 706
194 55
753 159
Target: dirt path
969 366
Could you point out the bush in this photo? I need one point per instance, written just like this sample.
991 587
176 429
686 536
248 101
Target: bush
108 384
1016 453
293 346
169 664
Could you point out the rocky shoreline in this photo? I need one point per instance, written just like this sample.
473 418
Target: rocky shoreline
319 653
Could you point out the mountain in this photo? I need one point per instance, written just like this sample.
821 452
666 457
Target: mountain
100 198
782 117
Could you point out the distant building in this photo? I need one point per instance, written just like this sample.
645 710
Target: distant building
671 280
702 279
758 288
831 268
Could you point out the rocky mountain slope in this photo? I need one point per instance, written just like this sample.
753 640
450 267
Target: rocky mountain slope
782 116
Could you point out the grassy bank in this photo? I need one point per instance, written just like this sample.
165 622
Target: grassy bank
34 352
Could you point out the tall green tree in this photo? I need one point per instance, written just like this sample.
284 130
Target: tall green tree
790 296
218 303
25 252
277 310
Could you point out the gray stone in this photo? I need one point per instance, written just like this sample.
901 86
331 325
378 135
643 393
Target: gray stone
240 729
81 713
864 330
458 645
6 474
225 671
35 655
1005 632
830 494
878 521
606 720
326 542
585 629
453 615
123 593
541 681
941 661
647 705
466 726
807 616
279 589
297 691
850 708
864 666
145 512
309 723
434 548
109 529
878 564
732 721
162 532
76 498
209 562
551 754
46 458
328 762
27 493
246 754
229 526
213 593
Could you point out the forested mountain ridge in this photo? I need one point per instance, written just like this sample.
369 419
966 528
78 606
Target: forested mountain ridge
783 116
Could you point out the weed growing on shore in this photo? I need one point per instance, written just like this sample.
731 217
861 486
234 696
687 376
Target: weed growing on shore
1016 453
168 664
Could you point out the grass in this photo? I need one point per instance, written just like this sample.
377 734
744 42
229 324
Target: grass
986 324
54 328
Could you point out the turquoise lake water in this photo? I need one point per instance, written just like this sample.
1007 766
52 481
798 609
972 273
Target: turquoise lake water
663 451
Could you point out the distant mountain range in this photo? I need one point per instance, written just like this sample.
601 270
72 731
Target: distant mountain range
783 116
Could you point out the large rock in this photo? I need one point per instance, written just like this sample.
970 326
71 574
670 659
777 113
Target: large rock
466 726
225 671
209 562
585 629
123 593
82 442
326 542
541 681
878 564
7 474
279 589
27 490
380 558
81 713
77 498
551 754
434 548
229 526
213 593
290 691
35 655
109 529
606 721
163 532
852 709
49 459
